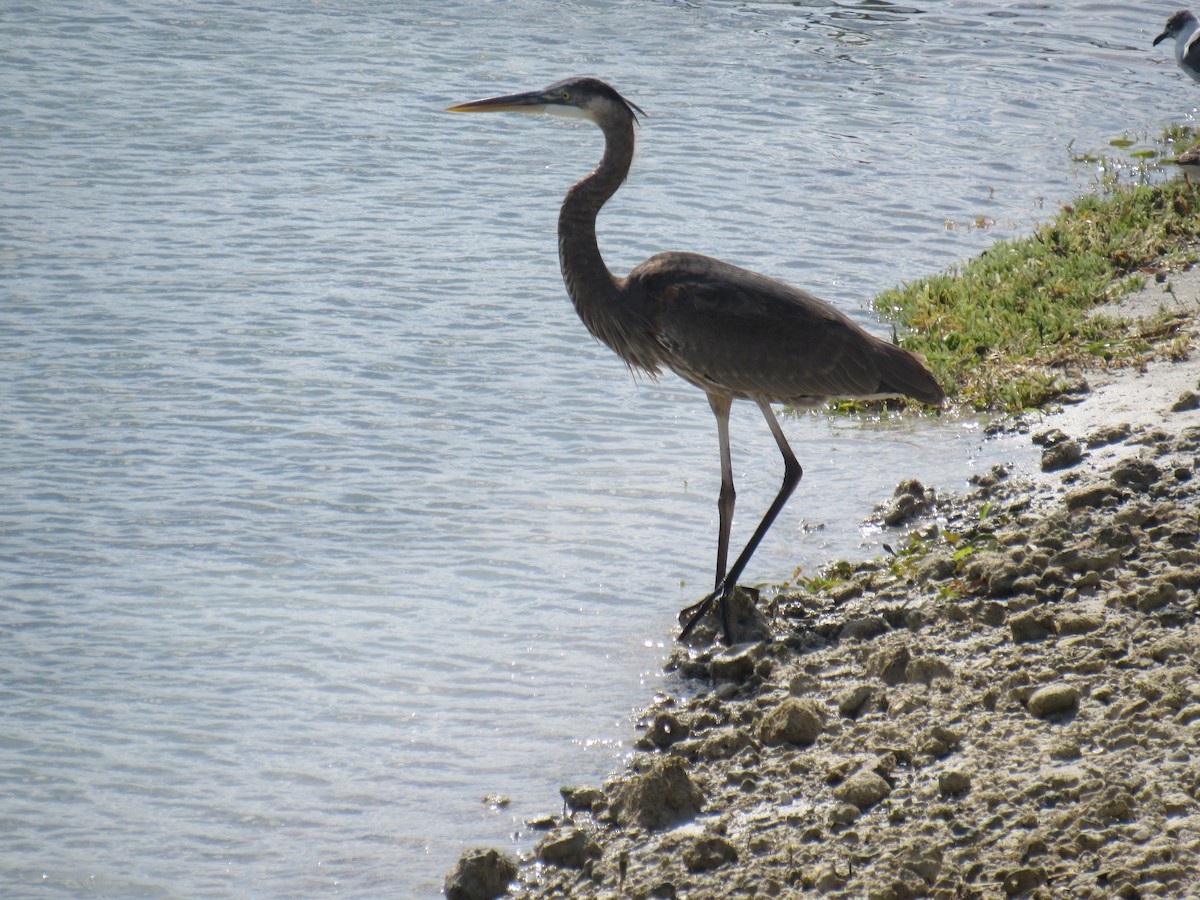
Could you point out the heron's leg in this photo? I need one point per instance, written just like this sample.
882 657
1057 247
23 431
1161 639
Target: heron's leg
725 500
791 477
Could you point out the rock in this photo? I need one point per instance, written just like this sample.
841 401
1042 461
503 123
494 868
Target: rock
910 500
1182 578
1091 496
725 744
665 730
736 663
1109 434
889 664
923 858
1082 623
582 799
850 702
1138 474
953 782
1188 400
828 879
1032 625
938 565
708 852
1053 699
480 874
1051 437
1061 456
1157 596
862 790
999 571
927 669
1115 806
794 721
572 848
1020 881
941 741
663 795
863 628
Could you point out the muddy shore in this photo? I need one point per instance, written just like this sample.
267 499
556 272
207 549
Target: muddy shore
1008 706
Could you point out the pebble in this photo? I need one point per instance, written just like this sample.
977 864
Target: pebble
572 847
1109 434
1061 456
736 663
1083 623
953 782
1091 496
663 795
666 729
1034 625
581 799
864 628
707 852
1138 474
794 721
1188 400
862 790
1159 595
1022 880
850 702
926 670
1052 700
890 664
911 499
480 874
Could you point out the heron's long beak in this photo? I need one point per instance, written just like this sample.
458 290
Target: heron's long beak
1160 38
530 102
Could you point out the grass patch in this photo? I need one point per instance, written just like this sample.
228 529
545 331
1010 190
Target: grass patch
1000 331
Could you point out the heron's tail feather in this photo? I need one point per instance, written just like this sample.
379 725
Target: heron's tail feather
905 373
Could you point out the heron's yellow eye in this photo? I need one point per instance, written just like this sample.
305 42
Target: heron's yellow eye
565 95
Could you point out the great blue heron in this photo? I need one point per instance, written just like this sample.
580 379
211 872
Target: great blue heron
734 334
1184 27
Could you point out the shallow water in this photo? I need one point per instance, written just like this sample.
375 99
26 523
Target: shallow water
324 518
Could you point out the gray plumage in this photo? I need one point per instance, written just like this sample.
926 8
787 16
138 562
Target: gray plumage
733 333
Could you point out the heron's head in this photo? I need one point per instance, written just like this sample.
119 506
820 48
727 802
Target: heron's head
1176 24
586 98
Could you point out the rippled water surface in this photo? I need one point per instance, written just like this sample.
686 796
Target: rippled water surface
323 517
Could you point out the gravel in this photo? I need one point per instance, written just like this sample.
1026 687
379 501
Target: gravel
1007 707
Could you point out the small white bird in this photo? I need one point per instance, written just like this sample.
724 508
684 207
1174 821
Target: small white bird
1185 28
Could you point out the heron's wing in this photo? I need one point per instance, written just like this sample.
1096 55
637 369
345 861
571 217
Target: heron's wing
733 331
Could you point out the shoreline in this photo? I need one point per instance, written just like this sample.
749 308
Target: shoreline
1007 707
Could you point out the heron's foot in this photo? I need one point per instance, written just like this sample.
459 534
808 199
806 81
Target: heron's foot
691 616
738 610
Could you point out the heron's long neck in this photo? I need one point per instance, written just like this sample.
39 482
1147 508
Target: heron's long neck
593 290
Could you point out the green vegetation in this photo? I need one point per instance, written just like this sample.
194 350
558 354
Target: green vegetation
1002 330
